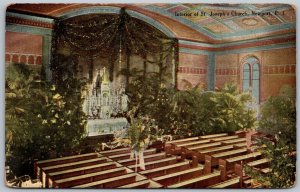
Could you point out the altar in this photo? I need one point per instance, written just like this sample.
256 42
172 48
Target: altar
116 126
104 105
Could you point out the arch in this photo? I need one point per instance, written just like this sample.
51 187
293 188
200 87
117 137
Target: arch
116 10
251 76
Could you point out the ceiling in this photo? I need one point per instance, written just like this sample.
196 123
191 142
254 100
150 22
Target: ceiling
229 25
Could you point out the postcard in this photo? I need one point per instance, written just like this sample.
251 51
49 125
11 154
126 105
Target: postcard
150 96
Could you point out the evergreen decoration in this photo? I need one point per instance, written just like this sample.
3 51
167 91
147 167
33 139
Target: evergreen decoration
105 36
43 120
282 165
278 117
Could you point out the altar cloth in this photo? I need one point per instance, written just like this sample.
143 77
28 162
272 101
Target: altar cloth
96 127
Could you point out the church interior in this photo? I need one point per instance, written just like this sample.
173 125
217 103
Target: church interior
150 95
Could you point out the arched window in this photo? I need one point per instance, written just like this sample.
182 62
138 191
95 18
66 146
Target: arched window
251 77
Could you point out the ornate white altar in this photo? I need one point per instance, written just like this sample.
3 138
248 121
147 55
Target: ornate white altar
103 101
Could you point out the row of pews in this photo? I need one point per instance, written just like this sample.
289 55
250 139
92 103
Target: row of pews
211 161
225 153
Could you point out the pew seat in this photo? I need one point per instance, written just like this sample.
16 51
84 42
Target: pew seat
231 183
213 177
213 136
110 182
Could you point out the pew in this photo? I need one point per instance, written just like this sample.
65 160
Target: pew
81 170
199 182
61 167
157 163
87 178
213 136
228 164
57 161
193 143
127 155
142 184
231 183
202 152
179 176
213 160
266 170
261 163
243 144
225 138
232 141
168 169
111 182
63 160
156 156
209 145
74 165
182 140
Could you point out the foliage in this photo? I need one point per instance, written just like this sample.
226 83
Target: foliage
193 111
278 116
283 165
42 120
142 132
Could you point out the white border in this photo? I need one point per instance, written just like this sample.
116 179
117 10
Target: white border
5 3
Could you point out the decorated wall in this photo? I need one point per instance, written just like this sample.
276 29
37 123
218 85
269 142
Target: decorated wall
210 53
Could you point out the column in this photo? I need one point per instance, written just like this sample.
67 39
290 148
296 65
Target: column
47 56
211 71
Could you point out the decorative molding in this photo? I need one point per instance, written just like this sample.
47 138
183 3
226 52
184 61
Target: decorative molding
29 17
240 50
227 72
22 21
28 29
185 43
192 70
280 69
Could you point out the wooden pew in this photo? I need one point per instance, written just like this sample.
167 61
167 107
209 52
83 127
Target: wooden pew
74 165
168 169
142 184
182 140
213 150
57 161
232 141
82 170
231 183
209 145
193 143
228 164
213 160
87 178
261 163
266 170
61 167
243 144
157 163
199 182
225 138
179 176
153 157
110 182
213 136
127 155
